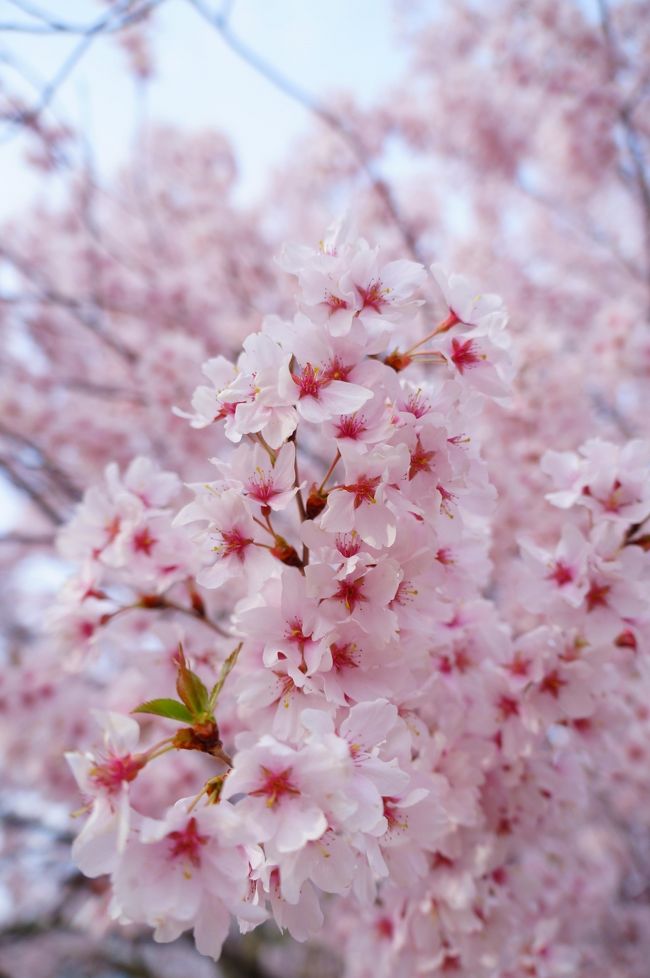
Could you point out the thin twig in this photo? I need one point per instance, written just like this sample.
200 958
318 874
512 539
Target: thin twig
51 25
220 22
196 615
594 234
60 478
37 498
631 134
109 22
28 539
85 316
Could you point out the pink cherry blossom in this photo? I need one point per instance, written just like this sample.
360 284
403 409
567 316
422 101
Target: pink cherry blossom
265 481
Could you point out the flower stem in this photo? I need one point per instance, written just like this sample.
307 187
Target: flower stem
330 470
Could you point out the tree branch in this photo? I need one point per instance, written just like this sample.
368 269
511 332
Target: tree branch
28 539
631 134
86 317
220 22
110 22
37 498
56 473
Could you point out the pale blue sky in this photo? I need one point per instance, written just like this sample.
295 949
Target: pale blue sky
324 45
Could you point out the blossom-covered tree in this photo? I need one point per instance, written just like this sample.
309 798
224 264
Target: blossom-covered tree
411 689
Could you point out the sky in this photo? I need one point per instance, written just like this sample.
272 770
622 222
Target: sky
323 45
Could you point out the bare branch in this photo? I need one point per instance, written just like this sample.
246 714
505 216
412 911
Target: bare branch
110 22
86 316
631 134
220 22
61 478
37 497
48 24
594 234
28 539
103 392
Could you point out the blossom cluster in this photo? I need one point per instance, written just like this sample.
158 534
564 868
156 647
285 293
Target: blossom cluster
370 748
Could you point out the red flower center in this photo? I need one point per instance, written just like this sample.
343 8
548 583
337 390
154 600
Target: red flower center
465 354
351 426
344 656
508 707
186 843
336 369
234 543
363 489
348 544
385 927
116 771
613 502
596 596
373 297
420 459
294 631
143 542
308 382
444 555
276 785
552 684
417 405
227 409
350 593
260 487
562 574
519 666
335 302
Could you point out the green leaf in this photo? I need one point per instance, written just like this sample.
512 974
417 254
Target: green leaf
190 688
226 669
171 709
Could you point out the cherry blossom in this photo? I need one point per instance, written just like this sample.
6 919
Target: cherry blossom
371 720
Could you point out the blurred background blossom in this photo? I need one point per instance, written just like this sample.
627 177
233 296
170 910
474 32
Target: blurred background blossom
154 155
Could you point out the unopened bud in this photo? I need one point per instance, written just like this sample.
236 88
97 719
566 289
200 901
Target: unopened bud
152 601
316 502
398 361
286 553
